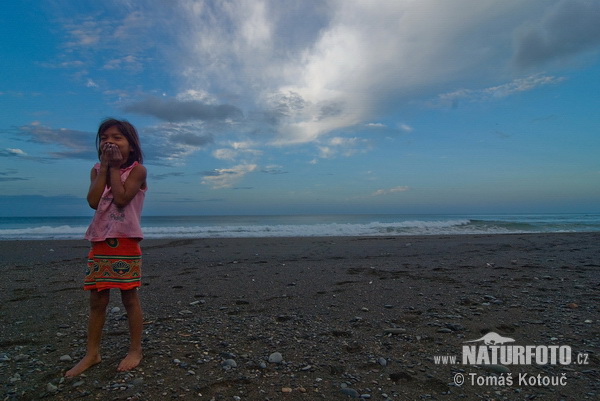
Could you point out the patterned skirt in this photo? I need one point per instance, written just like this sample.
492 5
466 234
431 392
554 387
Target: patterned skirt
114 263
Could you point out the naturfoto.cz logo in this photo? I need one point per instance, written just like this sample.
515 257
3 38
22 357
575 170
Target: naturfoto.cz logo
495 352
494 349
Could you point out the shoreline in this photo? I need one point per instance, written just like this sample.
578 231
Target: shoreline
366 314
390 235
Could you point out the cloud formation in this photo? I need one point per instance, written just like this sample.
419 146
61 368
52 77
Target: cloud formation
226 177
77 144
381 192
566 28
174 110
498 91
328 74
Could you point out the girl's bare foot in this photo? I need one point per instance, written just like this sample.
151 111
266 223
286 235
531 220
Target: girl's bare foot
87 362
131 361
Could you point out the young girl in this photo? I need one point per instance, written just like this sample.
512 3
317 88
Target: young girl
117 189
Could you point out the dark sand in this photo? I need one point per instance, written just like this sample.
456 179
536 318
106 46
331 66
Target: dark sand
326 304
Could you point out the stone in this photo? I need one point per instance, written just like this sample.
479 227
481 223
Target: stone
275 357
498 369
350 392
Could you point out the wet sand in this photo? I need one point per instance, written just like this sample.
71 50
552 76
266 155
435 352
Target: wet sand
350 317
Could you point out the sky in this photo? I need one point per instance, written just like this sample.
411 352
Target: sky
302 107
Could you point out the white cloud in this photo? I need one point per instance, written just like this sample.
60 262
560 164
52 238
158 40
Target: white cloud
342 146
389 191
354 61
405 127
291 73
226 177
237 149
8 152
498 91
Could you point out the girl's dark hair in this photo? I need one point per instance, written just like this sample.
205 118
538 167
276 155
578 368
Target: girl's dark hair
129 132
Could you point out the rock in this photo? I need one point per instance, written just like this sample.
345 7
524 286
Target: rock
350 392
572 305
51 388
394 330
65 358
286 390
229 364
116 309
382 362
275 357
498 369
444 330
455 326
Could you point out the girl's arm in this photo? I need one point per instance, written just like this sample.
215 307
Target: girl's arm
123 193
97 185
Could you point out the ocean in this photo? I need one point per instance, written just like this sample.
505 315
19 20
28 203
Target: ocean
54 228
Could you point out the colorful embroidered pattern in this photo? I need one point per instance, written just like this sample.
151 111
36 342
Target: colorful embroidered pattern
114 263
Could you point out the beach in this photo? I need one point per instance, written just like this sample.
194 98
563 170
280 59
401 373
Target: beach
310 318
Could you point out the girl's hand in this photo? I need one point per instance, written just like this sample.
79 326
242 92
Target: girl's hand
111 155
105 155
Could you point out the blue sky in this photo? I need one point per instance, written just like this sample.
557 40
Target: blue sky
332 106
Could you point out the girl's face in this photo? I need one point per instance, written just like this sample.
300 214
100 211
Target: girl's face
114 136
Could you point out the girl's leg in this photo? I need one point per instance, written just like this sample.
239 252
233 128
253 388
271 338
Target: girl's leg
131 301
98 303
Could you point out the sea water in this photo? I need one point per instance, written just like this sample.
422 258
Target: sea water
43 228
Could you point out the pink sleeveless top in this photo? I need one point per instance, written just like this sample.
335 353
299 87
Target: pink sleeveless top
111 221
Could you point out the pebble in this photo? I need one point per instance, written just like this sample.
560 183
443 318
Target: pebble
65 358
51 388
275 357
394 330
286 390
4 358
499 369
382 362
229 364
350 392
